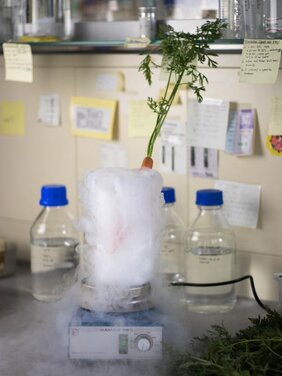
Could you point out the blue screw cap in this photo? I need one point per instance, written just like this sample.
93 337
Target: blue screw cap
209 197
53 195
169 194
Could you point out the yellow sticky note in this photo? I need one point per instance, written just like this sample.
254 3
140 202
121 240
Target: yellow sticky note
11 118
141 120
260 61
18 62
137 42
275 123
91 117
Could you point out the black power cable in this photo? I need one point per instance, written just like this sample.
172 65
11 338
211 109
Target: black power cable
236 280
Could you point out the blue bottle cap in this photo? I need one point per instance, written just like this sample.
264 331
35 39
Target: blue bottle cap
53 195
209 197
169 194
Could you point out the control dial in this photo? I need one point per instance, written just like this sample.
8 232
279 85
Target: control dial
144 342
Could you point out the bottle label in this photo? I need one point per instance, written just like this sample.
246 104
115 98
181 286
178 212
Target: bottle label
44 259
169 262
210 269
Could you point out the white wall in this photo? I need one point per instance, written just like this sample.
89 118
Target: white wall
52 155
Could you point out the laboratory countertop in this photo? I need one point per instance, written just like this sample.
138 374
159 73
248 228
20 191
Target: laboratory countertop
34 335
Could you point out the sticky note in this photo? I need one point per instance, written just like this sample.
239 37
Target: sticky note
137 42
91 117
12 118
49 109
275 123
18 62
260 61
142 119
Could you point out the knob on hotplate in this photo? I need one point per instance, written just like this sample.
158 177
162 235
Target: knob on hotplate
144 342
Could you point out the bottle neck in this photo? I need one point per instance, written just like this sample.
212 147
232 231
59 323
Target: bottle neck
169 205
209 208
54 208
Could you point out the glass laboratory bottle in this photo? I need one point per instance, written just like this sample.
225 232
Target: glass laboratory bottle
47 21
210 256
53 241
172 242
272 18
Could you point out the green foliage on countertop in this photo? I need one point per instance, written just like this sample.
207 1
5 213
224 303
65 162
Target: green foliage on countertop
253 351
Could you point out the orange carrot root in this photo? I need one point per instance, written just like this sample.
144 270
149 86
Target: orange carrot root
147 163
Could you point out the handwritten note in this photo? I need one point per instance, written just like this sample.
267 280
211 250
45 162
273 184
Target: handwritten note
207 123
18 62
174 132
12 118
260 61
275 123
241 202
203 162
113 155
141 120
93 117
109 82
49 109
137 42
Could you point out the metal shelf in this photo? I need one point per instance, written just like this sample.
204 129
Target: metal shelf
114 47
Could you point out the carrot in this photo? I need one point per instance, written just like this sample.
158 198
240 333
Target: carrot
147 163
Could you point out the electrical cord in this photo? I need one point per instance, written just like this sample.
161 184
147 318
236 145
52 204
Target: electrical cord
236 280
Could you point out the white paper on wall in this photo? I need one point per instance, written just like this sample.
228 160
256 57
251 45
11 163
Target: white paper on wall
49 109
241 202
174 132
240 132
109 82
275 122
173 158
207 123
113 155
202 162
